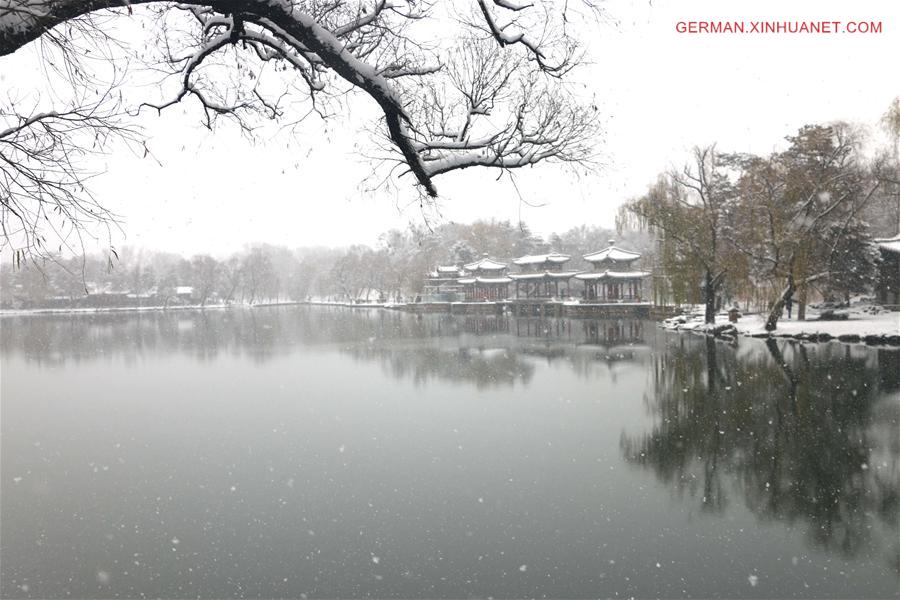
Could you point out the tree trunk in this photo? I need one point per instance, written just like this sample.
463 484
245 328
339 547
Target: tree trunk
801 303
229 297
709 298
711 364
778 307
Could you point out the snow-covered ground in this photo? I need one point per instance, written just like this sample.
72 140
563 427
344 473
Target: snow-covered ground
111 309
862 321
860 324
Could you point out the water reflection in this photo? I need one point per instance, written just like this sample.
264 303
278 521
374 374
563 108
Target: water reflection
261 334
457 449
807 435
485 350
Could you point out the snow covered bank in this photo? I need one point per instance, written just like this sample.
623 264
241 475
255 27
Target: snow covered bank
344 304
115 309
861 325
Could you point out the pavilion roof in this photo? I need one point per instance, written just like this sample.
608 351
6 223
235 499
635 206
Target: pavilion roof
485 264
537 259
543 275
612 275
612 252
473 280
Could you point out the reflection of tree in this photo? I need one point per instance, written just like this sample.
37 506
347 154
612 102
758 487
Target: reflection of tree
486 350
889 367
260 333
803 434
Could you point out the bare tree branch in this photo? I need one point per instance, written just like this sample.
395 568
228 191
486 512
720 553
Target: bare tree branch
481 103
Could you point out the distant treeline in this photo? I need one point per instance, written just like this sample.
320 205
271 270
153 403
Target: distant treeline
798 224
394 269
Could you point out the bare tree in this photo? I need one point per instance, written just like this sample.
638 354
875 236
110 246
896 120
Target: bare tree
44 200
487 90
206 274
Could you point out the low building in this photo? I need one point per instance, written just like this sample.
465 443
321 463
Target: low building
485 280
185 293
615 276
542 276
888 288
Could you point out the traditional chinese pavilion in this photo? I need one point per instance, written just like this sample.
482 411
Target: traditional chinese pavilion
485 280
541 275
615 277
442 284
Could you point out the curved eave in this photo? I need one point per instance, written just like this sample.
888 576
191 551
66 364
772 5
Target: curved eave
542 258
547 275
485 280
484 264
612 275
615 254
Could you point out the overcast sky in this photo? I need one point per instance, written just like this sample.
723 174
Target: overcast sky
660 92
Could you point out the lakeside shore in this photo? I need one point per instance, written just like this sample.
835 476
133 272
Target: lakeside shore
860 326
16 312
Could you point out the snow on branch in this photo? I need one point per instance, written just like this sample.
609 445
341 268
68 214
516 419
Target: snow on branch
470 99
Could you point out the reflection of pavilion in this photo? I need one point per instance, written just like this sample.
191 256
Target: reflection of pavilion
614 332
581 344
605 332
614 278
545 328
480 325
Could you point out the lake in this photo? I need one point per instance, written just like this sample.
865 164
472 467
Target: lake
325 452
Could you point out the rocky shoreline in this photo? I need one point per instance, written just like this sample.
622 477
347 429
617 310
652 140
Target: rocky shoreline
730 331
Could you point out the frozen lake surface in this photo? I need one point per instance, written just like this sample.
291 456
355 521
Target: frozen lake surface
318 452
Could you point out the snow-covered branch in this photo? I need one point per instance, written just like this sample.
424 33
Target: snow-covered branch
478 101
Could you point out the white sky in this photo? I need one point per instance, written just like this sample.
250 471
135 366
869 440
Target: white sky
660 93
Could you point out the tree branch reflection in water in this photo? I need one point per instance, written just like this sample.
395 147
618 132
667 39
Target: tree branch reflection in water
806 435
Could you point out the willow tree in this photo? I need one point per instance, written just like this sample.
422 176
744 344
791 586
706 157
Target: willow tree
890 172
687 209
457 84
